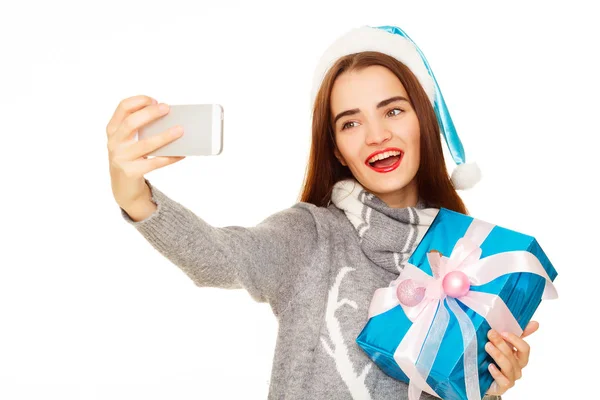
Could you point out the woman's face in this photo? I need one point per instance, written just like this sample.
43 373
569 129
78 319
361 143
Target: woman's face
372 114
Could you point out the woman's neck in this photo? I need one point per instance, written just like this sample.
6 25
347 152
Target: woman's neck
408 196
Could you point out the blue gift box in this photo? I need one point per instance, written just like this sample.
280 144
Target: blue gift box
522 293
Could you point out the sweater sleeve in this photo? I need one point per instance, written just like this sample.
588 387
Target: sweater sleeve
264 259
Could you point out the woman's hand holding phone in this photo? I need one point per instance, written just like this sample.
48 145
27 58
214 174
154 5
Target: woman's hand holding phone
127 156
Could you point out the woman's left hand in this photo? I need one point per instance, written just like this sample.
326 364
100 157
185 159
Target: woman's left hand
511 353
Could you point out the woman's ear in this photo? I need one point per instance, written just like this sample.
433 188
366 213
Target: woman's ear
338 155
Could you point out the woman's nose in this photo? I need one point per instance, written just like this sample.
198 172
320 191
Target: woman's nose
377 133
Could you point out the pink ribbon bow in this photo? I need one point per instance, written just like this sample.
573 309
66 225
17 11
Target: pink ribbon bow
421 295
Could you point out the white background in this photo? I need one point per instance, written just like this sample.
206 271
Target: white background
89 310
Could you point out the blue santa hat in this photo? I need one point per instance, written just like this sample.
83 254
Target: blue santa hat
394 42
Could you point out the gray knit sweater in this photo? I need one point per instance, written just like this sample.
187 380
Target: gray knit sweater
316 272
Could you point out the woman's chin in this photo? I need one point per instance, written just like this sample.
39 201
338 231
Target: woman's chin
385 184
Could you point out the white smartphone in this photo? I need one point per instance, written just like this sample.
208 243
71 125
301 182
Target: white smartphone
202 130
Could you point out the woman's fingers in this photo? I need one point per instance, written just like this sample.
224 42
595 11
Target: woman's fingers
507 350
523 348
138 119
501 383
531 327
502 360
125 108
504 355
140 148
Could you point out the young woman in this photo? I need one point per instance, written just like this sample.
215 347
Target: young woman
375 180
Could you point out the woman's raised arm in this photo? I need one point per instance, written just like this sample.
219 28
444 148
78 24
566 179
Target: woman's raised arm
264 259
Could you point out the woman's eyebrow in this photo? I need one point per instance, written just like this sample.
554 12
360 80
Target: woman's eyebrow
382 103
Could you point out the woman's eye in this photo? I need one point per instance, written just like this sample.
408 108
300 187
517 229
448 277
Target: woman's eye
395 109
345 126
390 113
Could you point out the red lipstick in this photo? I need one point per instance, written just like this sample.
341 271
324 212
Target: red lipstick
388 168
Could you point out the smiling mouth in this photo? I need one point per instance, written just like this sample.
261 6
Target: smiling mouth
387 164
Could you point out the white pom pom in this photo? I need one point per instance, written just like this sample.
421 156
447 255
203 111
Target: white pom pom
465 176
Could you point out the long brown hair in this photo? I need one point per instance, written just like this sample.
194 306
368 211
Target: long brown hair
324 170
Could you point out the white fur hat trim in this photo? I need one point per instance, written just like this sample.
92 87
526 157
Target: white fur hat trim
373 39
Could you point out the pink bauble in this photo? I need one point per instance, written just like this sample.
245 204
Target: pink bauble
456 284
409 293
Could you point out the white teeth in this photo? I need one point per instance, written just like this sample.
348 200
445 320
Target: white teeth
381 156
